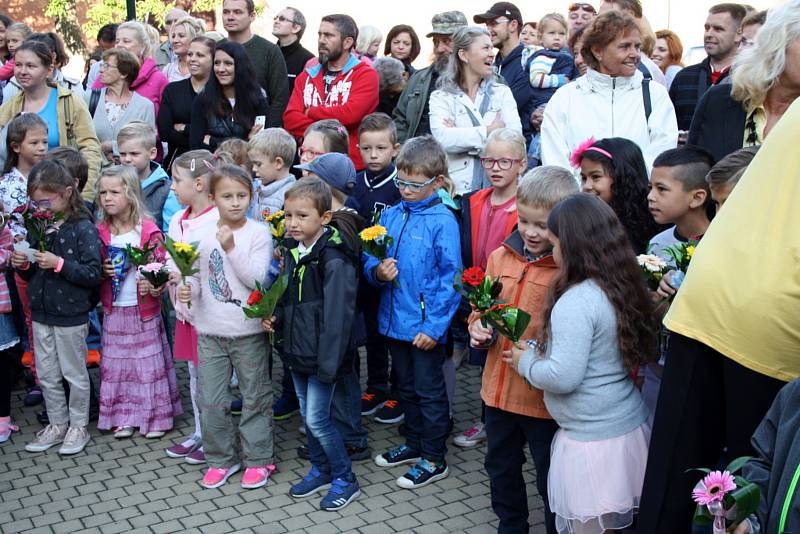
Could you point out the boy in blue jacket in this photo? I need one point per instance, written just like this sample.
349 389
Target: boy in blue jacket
415 312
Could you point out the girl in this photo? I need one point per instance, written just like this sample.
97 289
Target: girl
138 386
614 170
598 326
190 174
231 261
321 137
9 340
70 269
15 34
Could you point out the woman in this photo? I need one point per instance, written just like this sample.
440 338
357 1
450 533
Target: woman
392 82
469 104
610 100
230 103
60 58
368 43
667 54
5 55
65 112
765 82
575 43
402 43
181 34
175 114
116 105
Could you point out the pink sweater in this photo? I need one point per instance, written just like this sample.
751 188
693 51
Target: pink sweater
7 70
6 248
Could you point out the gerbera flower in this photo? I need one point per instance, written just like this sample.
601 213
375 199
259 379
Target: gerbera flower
713 487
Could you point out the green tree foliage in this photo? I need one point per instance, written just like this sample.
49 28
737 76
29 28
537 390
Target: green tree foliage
66 24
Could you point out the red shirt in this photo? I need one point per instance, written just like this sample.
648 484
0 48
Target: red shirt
492 228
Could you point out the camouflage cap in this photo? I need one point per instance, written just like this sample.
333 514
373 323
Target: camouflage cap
447 23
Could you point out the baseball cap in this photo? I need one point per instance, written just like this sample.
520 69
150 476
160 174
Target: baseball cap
337 170
500 9
447 23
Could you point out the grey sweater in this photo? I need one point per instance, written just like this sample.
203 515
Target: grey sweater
586 387
139 109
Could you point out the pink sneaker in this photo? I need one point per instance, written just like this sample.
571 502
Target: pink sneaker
216 477
182 450
255 477
7 428
198 457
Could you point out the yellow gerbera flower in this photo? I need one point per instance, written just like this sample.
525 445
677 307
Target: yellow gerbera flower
690 251
183 247
372 233
276 215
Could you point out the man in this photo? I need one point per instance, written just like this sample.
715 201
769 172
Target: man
504 22
751 25
237 16
581 14
721 42
107 36
339 86
411 115
164 54
289 26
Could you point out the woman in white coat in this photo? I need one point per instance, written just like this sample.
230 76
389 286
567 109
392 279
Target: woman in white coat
468 105
610 100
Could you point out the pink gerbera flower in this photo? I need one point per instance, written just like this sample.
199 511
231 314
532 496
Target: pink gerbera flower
713 487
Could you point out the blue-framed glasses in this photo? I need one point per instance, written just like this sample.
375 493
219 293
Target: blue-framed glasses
413 186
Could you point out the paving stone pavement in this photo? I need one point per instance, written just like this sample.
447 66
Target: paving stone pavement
132 486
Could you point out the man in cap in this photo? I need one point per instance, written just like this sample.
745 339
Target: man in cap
411 113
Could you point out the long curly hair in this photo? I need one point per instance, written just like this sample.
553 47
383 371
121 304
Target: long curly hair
630 188
594 247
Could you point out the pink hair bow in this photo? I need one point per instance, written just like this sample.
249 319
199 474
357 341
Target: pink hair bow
577 154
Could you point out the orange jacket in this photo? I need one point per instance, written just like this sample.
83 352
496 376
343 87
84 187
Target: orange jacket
525 285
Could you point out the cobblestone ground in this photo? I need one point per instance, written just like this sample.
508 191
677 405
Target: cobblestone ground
132 486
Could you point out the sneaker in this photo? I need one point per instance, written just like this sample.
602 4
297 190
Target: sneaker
471 437
302 452
43 418
155 434
217 476
236 406
302 429
340 495
182 450
357 453
255 477
312 483
122 432
285 408
6 429
372 401
47 437
75 440
34 397
398 456
422 474
196 457
391 412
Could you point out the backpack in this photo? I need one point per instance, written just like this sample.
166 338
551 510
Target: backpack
93 101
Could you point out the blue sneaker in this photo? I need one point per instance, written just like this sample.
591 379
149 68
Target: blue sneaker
397 456
285 408
422 474
341 494
312 483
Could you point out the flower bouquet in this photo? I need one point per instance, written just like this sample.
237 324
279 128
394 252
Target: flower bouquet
262 302
376 242
653 268
156 273
681 255
141 256
277 227
38 220
724 499
184 255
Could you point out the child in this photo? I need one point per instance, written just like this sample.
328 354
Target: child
315 318
614 170
70 268
515 412
231 261
75 163
597 327
138 387
236 149
424 258
272 153
190 174
321 137
488 217
15 35
137 147
9 340
724 176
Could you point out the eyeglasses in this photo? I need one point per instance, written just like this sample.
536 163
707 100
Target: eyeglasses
503 163
495 22
413 186
107 66
580 5
281 18
313 154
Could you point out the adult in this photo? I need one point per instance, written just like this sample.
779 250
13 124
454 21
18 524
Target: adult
230 102
574 44
107 36
175 115
469 104
337 86
668 54
69 122
391 73
60 58
181 33
270 68
611 100
581 14
720 41
765 81
751 25
402 43
412 112
165 52
289 26
504 22
725 363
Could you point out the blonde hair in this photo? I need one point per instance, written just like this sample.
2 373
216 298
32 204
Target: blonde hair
140 131
366 36
21 28
193 26
551 17
153 39
274 143
133 193
236 149
510 136
141 35
546 186
648 36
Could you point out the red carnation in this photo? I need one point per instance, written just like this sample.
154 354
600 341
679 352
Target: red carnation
254 298
473 276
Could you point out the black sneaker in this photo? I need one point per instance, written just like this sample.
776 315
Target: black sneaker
372 401
397 456
43 418
302 452
422 474
355 453
392 412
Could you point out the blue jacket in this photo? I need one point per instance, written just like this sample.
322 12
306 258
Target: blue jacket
427 248
158 196
518 80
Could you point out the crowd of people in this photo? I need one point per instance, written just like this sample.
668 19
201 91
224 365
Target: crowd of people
147 208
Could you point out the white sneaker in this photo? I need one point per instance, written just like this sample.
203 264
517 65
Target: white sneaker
154 434
75 440
471 437
123 432
47 437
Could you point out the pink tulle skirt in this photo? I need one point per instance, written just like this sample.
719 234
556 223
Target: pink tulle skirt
594 486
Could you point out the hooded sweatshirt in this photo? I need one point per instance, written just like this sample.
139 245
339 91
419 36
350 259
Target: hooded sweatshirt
159 199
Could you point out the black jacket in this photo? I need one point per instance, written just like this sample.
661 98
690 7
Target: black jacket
719 122
176 108
315 314
296 58
204 122
689 85
65 298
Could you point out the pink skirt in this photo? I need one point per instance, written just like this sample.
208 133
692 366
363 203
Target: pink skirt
594 486
138 386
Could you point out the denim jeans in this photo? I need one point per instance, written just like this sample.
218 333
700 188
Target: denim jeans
325 445
346 408
378 378
93 337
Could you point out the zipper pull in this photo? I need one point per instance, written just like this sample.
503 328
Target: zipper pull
422 306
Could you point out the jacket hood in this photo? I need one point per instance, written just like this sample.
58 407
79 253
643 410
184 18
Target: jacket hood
601 83
314 67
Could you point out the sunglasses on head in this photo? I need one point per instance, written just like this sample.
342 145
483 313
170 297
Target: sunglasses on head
581 5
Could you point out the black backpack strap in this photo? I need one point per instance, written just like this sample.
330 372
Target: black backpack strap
648 104
93 101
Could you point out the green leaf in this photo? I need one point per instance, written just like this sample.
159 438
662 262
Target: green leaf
737 464
747 499
701 469
702 516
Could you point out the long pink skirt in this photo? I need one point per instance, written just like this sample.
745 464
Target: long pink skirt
138 386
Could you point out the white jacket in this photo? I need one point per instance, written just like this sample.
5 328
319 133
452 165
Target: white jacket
597 105
465 141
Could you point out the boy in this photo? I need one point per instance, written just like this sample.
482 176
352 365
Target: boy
271 152
315 320
137 147
515 412
724 176
415 314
